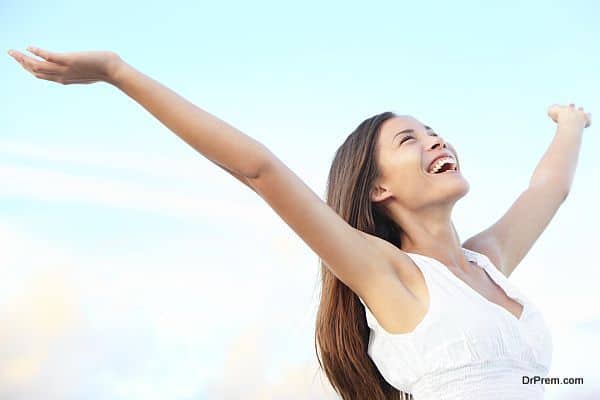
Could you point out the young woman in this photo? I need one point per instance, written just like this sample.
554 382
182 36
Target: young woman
406 309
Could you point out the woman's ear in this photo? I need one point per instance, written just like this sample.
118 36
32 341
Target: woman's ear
379 193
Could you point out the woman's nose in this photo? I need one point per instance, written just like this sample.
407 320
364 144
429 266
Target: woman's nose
438 142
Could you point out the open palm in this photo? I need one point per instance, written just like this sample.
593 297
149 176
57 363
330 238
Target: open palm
67 68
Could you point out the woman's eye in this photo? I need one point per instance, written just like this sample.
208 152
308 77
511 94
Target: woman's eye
412 137
406 138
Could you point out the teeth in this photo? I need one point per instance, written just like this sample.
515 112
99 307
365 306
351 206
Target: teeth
440 162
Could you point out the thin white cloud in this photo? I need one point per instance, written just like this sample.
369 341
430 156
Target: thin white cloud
181 188
47 185
113 160
189 168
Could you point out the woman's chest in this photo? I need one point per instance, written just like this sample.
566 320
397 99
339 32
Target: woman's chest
476 285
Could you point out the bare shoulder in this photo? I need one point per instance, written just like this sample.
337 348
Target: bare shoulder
398 297
400 264
483 245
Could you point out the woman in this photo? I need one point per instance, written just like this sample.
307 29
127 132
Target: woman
406 309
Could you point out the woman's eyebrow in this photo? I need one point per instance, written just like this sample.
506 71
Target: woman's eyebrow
427 128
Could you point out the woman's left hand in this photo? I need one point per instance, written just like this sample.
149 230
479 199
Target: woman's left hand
568 114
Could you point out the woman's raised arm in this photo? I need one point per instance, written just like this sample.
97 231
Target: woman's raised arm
221 143
362 261
212 137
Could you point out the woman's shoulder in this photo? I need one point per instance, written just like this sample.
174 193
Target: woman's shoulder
401 288
401 264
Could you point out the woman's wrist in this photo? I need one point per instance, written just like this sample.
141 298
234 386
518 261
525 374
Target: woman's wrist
572 122
114 69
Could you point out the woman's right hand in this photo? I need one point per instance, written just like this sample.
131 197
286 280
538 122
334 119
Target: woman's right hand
67 68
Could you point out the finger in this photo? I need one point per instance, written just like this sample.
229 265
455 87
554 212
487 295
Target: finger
589 119
16 55
47 77
552 111
22 59
31 64
47 55
39 66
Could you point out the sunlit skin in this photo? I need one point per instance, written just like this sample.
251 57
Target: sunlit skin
419 202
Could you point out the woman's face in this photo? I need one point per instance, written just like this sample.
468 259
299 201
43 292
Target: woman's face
406 149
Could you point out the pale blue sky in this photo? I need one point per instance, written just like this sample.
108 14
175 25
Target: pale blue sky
178 274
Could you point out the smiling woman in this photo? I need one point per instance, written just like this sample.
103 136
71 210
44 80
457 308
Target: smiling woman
406 309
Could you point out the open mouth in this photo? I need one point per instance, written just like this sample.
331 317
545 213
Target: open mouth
443 166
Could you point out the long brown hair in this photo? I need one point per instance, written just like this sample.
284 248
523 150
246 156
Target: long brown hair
342 333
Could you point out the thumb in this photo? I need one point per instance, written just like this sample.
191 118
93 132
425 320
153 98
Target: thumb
589 119
553 111
48 56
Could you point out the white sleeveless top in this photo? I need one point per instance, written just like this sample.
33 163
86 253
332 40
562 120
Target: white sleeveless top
466 347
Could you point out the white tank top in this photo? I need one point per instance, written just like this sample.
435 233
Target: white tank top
466 347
